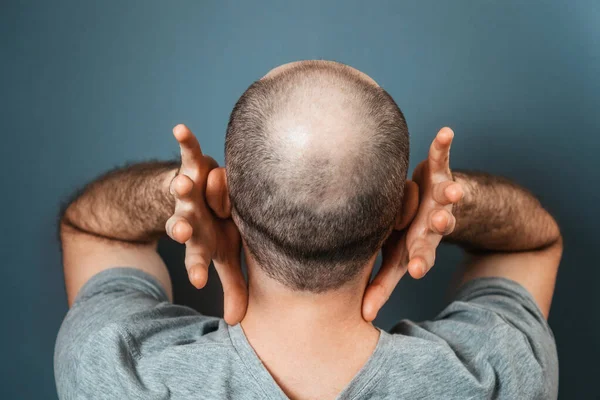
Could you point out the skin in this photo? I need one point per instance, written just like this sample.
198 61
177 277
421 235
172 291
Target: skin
270 314
316 320
411 251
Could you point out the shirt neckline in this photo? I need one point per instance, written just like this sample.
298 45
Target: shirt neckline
366 378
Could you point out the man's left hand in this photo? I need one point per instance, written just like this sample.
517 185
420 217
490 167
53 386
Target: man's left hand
413 250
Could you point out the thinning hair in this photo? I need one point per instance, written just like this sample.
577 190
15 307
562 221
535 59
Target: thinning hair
316 159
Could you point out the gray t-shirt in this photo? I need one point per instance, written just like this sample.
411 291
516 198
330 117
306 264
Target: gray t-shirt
123 339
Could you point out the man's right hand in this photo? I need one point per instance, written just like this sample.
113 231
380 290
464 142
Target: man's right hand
414 248
206 236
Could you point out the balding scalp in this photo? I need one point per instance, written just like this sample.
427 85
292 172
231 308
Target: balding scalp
316 158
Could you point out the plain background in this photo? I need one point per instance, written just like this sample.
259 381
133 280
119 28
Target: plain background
86 86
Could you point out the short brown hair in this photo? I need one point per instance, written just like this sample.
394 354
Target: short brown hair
293 242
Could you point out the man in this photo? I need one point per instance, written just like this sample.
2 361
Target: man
314 185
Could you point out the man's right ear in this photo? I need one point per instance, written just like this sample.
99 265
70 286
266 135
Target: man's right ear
217 193
410 205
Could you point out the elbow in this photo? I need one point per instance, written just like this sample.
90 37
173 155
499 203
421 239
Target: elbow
558 244
551 236
65 219
556 235
554 242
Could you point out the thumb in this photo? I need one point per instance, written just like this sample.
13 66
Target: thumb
235 290
393 268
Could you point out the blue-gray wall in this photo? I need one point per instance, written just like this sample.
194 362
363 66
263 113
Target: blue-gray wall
87 85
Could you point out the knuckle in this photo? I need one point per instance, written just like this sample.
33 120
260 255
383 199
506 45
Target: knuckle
431 260
451 225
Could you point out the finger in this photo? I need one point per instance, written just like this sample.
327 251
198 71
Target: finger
393 268
376 295
179 229
451 225
191 154
439 221
442 222
417 267
197 261
182 186
198 275
447 192
235 291
422 257
439 152
379 291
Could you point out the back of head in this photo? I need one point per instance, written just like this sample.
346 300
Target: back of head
316 158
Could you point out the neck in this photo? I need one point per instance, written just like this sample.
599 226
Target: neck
312 344
327 320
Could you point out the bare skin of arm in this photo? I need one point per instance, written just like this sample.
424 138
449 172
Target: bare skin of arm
117 219
506 233
502 227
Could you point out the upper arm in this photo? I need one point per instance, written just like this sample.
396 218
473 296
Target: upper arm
493 331
85 255
118 314
534 270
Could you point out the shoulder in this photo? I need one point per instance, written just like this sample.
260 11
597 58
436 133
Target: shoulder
122 333
492 339
145 352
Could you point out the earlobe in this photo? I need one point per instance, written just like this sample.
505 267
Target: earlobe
410 205
217 193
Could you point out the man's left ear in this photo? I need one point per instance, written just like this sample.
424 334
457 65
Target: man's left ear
217 193
410 205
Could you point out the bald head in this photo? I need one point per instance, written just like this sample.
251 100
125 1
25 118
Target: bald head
324 64
316 157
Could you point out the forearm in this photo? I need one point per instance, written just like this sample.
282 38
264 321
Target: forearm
498 215
128 204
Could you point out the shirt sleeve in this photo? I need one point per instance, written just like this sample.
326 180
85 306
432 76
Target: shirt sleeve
497 331
99 331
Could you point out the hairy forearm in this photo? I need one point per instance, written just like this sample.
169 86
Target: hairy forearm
129 204
498 215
